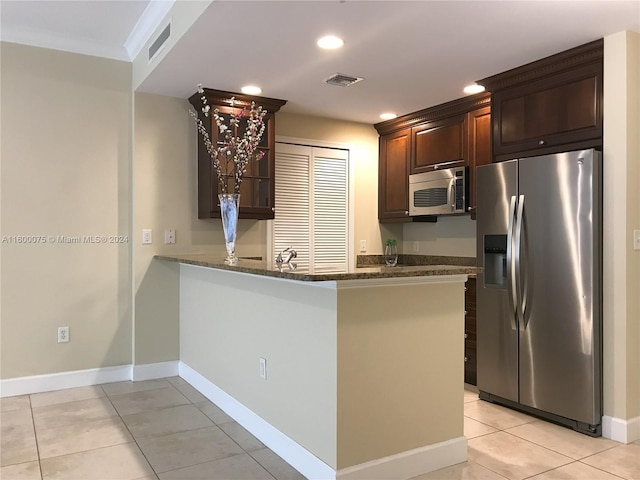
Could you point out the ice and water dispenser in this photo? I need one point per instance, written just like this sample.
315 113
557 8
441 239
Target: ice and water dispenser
495 261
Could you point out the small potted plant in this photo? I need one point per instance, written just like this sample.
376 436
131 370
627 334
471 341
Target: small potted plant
390 252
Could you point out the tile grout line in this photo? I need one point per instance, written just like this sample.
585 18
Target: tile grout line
130 433
35 437
560 453
598 468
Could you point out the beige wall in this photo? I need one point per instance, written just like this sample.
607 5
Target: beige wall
450 236
165 196
621 214
66 170
290 324
400 369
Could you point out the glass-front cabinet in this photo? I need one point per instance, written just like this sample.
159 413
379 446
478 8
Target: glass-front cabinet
257 190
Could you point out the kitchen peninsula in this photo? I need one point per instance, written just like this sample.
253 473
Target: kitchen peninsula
344 374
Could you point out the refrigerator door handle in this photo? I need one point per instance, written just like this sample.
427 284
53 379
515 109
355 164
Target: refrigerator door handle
520 297
511 288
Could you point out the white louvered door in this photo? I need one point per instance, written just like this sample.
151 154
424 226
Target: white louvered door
291 225
329 209
311 205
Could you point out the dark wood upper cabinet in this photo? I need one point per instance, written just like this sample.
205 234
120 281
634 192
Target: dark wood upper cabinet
548 106
479 122
393 191
453 134
257 190
439 144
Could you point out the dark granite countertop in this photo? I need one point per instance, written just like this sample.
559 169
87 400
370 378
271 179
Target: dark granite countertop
261 267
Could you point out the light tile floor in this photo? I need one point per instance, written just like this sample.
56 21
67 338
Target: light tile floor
165 429
505 444
156 429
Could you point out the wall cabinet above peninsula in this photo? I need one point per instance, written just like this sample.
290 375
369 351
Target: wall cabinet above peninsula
453 134
548 106
257 190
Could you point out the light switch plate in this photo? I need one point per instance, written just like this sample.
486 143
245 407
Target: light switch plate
636 239
170 236
147 238
363 246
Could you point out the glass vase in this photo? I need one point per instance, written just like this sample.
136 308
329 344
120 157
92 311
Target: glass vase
229 206
390 255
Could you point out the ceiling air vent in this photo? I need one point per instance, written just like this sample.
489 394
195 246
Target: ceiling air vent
159 42
341 80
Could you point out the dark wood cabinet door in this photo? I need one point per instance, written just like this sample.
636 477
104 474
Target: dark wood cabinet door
257 190
470 352
479 147
393 178
439 144
549 114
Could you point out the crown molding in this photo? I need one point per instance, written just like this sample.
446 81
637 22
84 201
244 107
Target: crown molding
221 97
43 39
592 52
438 112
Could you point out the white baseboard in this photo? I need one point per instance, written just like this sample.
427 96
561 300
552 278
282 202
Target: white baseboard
151 371
58 381
410 464
624 431
84 378
402 466
294 454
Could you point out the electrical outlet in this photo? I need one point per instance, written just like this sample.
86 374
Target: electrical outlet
170 236
147 237
636 239
363 246
63 334
263 368
416 247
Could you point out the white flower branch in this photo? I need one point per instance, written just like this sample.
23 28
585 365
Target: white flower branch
233 152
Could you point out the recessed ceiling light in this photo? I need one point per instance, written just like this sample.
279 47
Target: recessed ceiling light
251 90
330 42
473 88
388 116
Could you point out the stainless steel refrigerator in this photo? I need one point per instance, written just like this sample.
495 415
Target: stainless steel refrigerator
539 300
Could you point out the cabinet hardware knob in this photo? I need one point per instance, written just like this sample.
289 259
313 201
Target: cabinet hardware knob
466 359
541 142
465 335
273 209
465 312
465 289
469 209
406 212
435 167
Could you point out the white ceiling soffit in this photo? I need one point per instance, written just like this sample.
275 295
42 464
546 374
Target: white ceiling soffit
104 28
413 54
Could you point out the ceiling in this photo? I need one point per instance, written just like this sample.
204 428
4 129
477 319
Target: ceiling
412 54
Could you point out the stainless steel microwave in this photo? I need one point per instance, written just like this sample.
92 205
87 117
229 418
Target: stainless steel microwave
441 192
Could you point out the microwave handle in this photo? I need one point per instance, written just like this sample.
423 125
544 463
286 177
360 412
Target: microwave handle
452 194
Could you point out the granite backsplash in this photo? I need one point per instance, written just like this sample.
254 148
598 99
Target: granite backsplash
412 260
